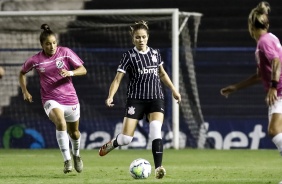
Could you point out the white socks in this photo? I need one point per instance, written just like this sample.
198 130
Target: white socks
75 144
277 140
63 142
155 131
123 139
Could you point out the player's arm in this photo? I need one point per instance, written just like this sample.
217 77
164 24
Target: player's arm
166 80
113 88
81 70
271 96
253 79
22 81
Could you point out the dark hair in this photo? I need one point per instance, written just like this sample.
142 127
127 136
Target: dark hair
258 17
139 25
45 33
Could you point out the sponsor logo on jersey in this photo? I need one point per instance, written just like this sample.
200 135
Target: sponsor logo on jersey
148 71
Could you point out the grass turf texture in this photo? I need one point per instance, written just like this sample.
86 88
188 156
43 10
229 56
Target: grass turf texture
182 166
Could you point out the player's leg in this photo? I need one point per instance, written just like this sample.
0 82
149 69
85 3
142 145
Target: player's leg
72 115
275 130
275 124
121 139
155 116
56 114
134 111
155 134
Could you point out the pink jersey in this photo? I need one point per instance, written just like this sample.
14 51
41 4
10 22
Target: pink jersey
53 85
268 48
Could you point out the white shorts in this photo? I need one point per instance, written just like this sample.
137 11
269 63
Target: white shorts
275 108
71 112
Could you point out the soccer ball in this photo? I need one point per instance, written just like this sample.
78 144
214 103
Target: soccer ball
140 168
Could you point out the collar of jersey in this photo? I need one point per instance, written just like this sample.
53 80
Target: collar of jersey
141 52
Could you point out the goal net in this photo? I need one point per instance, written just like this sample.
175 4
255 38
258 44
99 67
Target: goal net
100 37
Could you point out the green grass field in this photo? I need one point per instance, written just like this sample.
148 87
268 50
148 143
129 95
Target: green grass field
183 166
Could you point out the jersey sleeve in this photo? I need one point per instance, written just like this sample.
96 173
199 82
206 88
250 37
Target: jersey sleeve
28 65
124 63
74 59
160 60
269 48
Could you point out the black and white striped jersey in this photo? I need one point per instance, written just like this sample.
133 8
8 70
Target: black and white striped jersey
143 70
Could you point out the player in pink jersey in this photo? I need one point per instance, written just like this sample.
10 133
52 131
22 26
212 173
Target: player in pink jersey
269 57
55 66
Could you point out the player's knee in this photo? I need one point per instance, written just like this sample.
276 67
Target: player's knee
155 130
272 132
124 139
74 134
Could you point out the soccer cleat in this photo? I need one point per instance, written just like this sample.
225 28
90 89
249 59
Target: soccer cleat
160 172
78 164
67 166
106 148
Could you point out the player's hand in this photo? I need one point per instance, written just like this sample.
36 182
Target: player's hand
227 90
109 102
65 73
27 97
271 96
176 96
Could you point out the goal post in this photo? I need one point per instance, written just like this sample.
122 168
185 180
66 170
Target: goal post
177 25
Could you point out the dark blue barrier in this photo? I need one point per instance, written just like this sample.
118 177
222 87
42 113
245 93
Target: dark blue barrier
239 134
222 134
36 135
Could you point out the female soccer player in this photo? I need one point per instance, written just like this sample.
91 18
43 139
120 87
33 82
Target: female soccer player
54 65
268 56
144 95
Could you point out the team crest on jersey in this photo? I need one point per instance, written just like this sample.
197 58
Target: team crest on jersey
155 52
59 63
133 55
131 110
154 58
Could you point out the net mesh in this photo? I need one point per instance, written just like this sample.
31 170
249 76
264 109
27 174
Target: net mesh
100 42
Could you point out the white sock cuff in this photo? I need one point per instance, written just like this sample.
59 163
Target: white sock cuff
61 134
124 139
277 138
155 130
71 139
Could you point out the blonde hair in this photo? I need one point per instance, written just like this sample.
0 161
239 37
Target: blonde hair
258 18
139 25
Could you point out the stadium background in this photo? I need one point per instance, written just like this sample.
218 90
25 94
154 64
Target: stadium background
224 54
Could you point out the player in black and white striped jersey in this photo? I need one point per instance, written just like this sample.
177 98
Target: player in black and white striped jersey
144 95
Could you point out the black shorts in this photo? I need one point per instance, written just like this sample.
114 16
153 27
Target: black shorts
136 109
